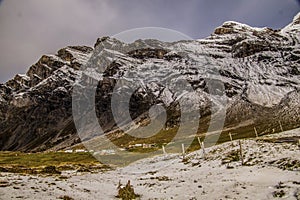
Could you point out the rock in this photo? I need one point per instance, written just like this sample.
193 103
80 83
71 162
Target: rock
22 100
148 53
250 47
223 30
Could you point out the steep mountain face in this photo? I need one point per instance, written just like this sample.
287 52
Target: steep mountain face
36 107
258 68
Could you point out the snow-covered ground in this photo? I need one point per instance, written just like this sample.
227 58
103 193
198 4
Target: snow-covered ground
270 169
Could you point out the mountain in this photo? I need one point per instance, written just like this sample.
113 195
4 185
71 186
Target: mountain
250 74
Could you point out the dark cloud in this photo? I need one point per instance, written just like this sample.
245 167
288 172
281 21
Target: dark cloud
33 27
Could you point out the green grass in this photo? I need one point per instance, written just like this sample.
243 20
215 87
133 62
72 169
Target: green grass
162 137
38 163
45 159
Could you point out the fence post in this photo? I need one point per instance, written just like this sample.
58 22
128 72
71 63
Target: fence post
241 152
256 134
199 141
203 149
280 126
230 136
164 150
183 151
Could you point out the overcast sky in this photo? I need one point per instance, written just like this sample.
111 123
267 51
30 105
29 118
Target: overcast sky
34 27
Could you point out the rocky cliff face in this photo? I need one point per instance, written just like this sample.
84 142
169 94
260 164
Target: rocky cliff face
258 67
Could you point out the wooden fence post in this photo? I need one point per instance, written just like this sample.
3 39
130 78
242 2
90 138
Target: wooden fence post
199 141
256 134
203 149
280 126
183 151
164 150
241 152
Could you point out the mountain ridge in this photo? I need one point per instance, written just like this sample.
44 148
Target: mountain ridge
259 68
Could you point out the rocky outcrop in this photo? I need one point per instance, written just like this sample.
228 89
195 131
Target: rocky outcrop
258 68
36 109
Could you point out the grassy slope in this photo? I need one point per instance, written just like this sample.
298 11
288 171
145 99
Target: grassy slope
33 163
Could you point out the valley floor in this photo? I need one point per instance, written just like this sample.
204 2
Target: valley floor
271 170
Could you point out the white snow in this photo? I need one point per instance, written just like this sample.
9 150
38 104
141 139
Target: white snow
167 177
267 95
